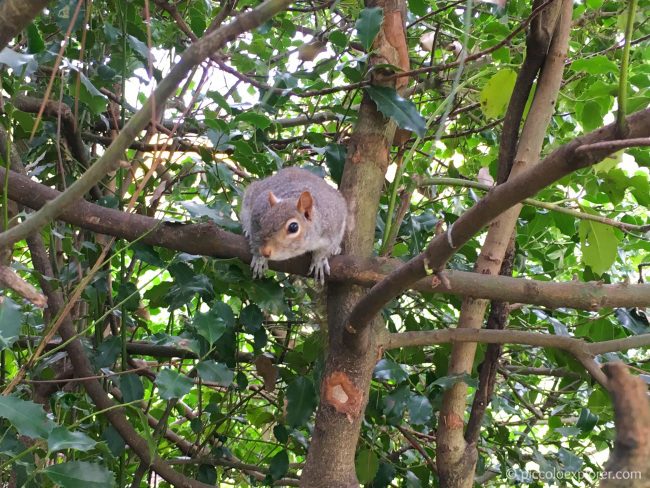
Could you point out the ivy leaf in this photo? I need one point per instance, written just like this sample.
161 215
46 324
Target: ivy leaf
587 420
210 325
79 474
598 244
402 111
420 409
301 401
61 438
27 417
172 384
387 369
132 388
215 372
368 25
10 320
279 465
20 63
366 466
446 382
251 318
496 93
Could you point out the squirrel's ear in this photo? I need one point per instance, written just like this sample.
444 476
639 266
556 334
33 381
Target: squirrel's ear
273 199
305 203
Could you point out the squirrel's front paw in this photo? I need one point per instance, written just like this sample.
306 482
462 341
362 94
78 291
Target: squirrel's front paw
259 266
320 267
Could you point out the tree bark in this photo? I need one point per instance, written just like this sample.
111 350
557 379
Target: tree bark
15 15
352 357
456 459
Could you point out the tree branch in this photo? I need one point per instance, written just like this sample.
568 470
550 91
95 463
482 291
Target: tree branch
207 239
15 15
582 350
196 53
559 163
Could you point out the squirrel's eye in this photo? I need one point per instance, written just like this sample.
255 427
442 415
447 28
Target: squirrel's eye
292 228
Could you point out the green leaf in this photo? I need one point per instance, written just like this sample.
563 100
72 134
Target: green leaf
27 417
79 474
172 384
590 115
139 47
147 254
61 438
251 318
279 465
281 434
129 296
496 93
63 13
258 121
35 42
447 382
11 318
114 441
215 372
595 65
132 388
599 244
367 464
420 409
386 369
368 25
107 352
395 403
211 325
268 295
338 38
402 111
301 401
587 420
335 157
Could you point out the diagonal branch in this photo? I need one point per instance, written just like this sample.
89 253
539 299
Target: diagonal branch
558 164
195 54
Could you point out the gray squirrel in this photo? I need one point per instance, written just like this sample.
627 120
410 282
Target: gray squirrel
289 214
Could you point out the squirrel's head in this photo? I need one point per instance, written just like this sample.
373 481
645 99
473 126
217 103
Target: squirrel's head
285 226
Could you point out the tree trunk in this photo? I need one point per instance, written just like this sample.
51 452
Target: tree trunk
352 356
456 460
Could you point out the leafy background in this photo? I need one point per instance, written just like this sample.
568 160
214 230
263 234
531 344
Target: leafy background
242 382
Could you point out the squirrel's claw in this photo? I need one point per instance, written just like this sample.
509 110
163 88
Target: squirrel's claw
320 267
259 266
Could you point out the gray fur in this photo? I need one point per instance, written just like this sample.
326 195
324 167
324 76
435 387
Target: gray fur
321 233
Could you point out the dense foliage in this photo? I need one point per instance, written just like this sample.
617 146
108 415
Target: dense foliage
238 376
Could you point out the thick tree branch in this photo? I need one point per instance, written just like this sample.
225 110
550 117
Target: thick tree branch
209 240
559 163
196 53
15 15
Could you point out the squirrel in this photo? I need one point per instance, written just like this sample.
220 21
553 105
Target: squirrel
289 214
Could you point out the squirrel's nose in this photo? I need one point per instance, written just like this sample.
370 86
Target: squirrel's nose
265 251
